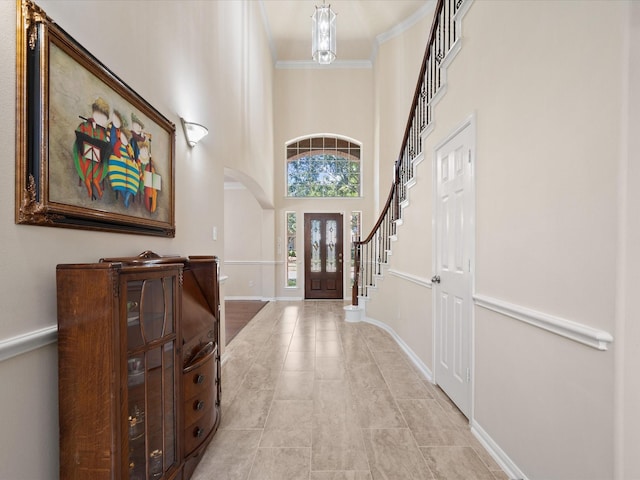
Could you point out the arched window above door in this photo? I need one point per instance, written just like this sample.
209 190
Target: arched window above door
324 166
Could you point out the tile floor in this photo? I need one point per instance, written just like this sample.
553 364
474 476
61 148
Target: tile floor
308 396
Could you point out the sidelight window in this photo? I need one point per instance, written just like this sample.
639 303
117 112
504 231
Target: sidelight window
292 254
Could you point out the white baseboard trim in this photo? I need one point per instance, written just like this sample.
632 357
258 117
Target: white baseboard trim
224 358
592 337
264 299
420 365
249 298
14 346
423 282
253 262
499 455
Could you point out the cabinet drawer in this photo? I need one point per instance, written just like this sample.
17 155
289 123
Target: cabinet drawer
197 406
196 433
199 379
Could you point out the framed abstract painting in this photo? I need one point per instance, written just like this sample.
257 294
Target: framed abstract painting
90 152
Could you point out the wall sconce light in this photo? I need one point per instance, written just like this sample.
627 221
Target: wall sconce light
323 34
193 131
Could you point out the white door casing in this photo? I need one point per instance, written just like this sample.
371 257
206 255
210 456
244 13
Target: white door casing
452 282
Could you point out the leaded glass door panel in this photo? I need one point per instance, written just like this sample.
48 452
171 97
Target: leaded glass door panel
323 255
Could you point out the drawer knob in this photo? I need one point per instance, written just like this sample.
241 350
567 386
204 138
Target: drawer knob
198 379
198 405
198 432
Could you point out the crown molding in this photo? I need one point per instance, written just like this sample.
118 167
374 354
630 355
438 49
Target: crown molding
403 26
309 64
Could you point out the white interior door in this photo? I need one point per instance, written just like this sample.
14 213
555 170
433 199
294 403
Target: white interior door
452 282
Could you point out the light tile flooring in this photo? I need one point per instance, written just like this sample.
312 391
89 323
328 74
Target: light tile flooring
308 396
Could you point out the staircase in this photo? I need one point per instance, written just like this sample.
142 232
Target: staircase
372 253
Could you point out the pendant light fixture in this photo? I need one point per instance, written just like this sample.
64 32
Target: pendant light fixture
323 34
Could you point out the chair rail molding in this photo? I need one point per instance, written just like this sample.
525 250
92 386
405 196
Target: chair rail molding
14 346
423 282
253 262
578 332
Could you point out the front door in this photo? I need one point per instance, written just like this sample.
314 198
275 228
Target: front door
323 255
452 282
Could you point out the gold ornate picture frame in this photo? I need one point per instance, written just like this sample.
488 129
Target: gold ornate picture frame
90 152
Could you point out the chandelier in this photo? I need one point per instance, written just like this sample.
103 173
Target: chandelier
323 35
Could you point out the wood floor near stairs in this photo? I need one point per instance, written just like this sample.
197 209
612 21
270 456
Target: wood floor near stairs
308 396
237 314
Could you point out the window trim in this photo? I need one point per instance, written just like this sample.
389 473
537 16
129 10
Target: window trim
342 147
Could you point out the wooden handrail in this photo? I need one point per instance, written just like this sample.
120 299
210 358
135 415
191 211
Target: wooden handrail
423 69
385 209
425 89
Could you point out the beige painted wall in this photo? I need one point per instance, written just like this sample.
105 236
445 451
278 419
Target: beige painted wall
321 101
255 105
409 314
411 258
248 244
548 121
546 212
627 416
396 70
348 102
550 168
171 55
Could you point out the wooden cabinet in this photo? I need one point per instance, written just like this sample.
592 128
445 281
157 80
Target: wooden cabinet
201 387
198 394
138 365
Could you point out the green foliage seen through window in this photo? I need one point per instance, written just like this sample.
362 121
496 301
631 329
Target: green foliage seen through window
323 175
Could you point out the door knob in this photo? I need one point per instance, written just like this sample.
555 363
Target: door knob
435 279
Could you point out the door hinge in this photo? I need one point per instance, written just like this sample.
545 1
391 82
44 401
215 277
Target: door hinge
469 266
468 375
469 157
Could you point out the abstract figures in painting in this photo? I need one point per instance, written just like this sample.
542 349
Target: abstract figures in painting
105 148
91 148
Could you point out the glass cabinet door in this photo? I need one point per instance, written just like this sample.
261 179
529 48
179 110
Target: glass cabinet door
151 364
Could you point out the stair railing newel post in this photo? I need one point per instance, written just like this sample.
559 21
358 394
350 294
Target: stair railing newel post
356 272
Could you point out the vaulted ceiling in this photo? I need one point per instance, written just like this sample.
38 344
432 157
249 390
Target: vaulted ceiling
361 26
